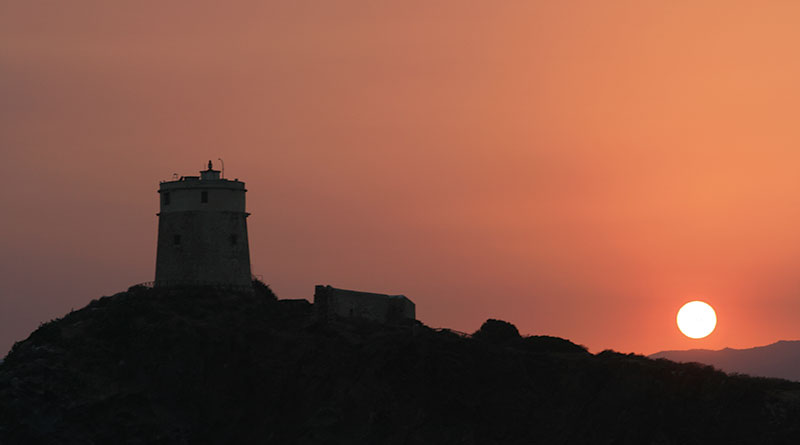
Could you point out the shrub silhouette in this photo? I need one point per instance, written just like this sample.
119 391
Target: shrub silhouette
263 290
545 343
497 331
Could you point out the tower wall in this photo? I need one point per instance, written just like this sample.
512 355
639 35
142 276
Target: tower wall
202 233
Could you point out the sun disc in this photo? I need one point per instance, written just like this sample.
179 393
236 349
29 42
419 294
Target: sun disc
697 319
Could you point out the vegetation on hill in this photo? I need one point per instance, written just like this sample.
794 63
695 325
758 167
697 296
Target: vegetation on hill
213 366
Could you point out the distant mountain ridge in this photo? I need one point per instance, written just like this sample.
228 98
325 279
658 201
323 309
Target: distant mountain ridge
779 360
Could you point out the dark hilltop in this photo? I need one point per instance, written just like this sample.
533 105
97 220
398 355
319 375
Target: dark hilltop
181 366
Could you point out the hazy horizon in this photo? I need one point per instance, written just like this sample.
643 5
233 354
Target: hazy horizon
578 169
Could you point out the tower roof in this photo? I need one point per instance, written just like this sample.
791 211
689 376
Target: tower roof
208 178
210 173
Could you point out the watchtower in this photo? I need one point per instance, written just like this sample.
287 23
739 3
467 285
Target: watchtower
202 232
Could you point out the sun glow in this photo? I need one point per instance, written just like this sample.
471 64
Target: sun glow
697 319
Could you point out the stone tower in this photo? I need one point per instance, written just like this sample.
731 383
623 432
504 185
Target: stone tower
202 232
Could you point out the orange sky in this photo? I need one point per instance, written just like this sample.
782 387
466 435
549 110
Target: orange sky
580 169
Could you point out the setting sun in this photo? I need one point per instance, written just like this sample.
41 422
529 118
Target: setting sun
697 319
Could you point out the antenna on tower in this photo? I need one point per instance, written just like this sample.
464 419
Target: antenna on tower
223 167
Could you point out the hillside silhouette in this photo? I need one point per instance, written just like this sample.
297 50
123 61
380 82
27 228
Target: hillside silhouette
212 366
779 360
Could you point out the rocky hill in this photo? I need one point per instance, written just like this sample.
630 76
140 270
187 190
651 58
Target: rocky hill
780 359
206 366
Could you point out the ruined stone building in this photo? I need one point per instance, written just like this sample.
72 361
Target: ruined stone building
332 302
202 232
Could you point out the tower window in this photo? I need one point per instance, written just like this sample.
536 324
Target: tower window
204 196
233 239
176 240
166 198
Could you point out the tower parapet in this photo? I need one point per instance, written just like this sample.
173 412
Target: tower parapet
202 232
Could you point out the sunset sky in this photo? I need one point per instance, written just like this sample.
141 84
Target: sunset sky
580 169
